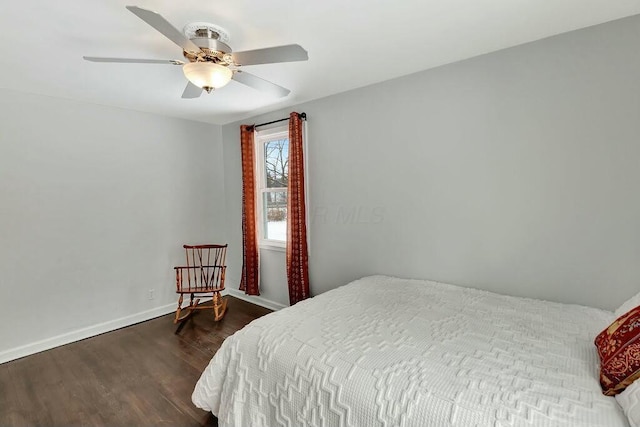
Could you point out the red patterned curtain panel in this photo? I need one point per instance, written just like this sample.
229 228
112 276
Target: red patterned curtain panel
297 251
250 267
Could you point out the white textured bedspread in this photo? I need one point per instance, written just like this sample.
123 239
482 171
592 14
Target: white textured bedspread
383 351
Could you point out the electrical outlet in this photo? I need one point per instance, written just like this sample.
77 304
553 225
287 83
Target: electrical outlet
152 293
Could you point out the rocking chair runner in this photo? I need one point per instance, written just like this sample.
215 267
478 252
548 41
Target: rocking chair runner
203 274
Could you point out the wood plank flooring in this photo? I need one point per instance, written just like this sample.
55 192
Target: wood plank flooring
142 375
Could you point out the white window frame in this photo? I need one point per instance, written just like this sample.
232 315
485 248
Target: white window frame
262 137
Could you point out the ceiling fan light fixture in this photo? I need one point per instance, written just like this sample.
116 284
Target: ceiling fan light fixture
207 75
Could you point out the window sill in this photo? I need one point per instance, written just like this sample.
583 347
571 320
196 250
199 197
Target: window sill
271 247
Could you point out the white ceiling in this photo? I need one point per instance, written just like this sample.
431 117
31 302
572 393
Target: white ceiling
351 44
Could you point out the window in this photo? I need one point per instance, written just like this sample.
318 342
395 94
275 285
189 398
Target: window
272 156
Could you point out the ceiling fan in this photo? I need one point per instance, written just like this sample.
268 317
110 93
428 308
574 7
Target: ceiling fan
211 63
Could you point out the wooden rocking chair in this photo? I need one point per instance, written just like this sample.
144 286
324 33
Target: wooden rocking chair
203 274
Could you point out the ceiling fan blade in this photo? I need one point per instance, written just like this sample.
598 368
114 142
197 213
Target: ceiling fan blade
260 84
269 55
169 31
133 60
191 91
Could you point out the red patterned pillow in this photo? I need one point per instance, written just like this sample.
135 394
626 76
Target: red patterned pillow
619 350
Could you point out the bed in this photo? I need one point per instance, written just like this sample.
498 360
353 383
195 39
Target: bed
384 351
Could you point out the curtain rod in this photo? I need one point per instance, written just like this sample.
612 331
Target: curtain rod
303 116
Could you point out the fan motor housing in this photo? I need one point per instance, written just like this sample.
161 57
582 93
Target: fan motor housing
211 39
212 51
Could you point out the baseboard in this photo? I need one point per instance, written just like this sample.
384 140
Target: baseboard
112 325
257 300
88 332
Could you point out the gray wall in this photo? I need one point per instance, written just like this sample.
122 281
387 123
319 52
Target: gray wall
95 204
516 172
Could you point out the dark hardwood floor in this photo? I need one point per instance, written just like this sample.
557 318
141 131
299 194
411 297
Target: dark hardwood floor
142 375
